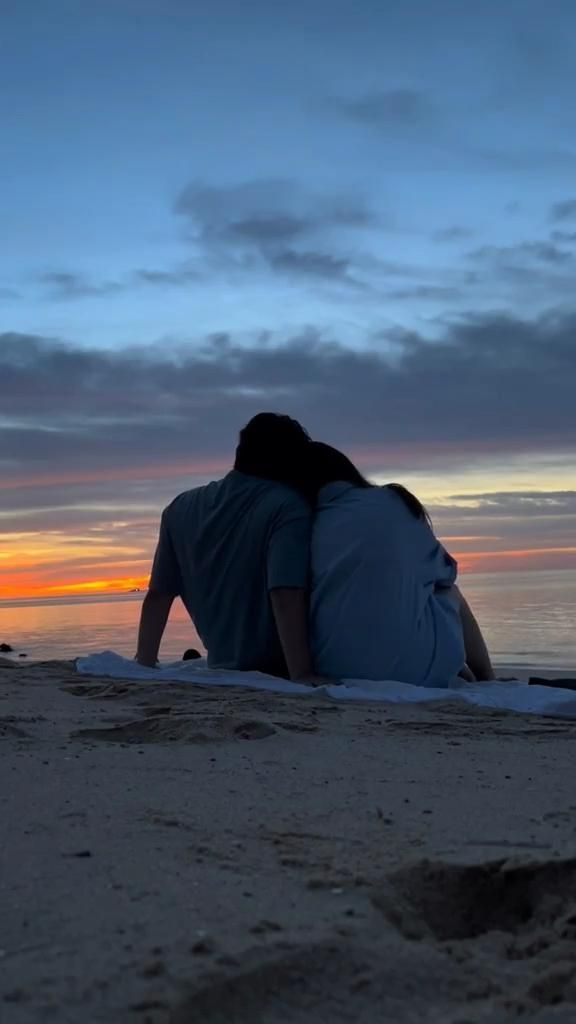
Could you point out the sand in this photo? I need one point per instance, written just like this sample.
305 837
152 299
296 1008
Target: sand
176 855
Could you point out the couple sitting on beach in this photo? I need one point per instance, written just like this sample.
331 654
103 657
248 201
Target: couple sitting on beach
293 564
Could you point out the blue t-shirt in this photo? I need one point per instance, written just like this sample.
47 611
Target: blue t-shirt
222 548
383 605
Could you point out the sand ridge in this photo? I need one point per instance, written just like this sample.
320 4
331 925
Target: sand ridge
173 855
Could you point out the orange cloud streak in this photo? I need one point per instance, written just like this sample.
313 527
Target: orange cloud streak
527 558
28 586
160 472
125 583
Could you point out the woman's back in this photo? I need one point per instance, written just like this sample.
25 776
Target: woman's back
381 600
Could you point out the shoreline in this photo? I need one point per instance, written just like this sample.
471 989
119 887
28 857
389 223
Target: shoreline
546 671
513 670
174 855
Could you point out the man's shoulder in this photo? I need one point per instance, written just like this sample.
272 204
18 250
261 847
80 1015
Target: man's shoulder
283 500
271 496
187 499
271 492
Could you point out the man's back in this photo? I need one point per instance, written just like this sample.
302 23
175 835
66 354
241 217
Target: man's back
222 548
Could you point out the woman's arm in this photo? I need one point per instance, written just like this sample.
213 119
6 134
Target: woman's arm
477 656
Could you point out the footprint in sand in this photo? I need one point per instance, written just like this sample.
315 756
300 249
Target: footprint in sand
439 901
322 983
194 729
11 731
105 691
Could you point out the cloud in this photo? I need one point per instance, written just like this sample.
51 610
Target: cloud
67 285
183 274
563 237
267 229
491 387
527 275
457 233
523 158
513 503
275 225
275 231
522 253
511 520
564 210
412 115
91 440
428 293
391 108
268 226
268 211
319 265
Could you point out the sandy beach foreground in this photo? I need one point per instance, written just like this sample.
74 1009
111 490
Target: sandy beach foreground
176 855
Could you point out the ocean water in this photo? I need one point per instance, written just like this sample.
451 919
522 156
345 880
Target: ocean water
528 618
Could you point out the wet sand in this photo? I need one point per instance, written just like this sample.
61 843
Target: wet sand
176 855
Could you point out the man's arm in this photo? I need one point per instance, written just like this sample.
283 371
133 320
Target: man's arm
164 587
154 616
290 608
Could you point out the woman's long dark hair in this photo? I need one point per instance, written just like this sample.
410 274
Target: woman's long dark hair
328 465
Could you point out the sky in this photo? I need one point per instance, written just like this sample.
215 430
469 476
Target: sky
356 212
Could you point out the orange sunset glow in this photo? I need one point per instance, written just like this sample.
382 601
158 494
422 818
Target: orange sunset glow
43 568
20 587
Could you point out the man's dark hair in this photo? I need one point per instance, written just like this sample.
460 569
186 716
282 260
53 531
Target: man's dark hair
274 447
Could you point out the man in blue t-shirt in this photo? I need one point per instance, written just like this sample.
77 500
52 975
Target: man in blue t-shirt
237 552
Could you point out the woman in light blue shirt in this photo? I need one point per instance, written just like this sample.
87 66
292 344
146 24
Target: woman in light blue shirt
384 602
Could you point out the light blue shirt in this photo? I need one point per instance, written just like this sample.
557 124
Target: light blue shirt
382 605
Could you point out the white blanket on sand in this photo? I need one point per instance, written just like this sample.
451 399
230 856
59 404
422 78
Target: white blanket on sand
509 696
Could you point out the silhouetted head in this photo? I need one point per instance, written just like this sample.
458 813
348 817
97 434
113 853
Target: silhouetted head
328 465
274 447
